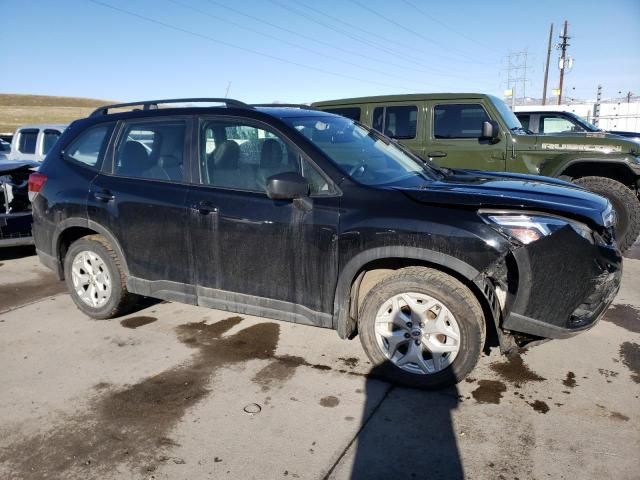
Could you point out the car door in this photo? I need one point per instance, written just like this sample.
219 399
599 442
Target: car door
253 254
402 122
140 197
455 141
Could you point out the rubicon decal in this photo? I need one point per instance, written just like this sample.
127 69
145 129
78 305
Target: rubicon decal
582 148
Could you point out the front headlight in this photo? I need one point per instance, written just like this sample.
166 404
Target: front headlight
609 216
527 228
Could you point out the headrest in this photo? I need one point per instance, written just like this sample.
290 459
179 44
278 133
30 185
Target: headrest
134 156
271 154
226 155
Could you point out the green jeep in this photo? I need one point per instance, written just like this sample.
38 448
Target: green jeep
477 131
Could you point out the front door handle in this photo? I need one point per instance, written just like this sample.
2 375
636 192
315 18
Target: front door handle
204 207
104 196
437 154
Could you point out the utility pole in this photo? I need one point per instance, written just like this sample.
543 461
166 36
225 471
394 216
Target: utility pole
546 68
563 56
596 107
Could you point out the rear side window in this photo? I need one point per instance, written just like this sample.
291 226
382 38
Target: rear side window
350 112
153 150
50 139
27 141
88 148
552 124
396 122
458 120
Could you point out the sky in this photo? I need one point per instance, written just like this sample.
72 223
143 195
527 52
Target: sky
305 50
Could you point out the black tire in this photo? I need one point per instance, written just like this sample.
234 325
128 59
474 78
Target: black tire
460 301
624 202
121 300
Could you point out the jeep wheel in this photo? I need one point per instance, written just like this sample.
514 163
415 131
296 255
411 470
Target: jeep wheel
95 278
624 202
422 328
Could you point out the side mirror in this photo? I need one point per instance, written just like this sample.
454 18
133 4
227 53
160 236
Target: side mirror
287 186
490 131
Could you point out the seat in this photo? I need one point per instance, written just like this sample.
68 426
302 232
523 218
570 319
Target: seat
271 162
133 160
223 166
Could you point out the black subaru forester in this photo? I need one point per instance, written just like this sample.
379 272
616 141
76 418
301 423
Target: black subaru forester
304 216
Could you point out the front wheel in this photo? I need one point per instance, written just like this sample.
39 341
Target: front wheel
422 328
624 202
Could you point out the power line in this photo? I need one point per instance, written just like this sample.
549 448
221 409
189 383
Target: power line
407 29
322 42
286 42
237 47
517 74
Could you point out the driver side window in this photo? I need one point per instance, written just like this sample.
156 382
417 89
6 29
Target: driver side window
240 156
458 120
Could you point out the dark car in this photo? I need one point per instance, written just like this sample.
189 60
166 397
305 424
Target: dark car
309 217
15 208
554 122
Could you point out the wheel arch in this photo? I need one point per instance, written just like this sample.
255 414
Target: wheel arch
618 170
392 258
72 229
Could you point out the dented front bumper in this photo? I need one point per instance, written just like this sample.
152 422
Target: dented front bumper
557 286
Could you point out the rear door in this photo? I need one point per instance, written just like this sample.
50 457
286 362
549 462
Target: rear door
401 121
454 136
140 197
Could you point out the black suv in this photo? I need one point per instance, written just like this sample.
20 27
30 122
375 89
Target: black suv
310 217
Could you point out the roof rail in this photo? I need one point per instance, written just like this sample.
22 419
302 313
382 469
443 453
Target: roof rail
153 104
285 105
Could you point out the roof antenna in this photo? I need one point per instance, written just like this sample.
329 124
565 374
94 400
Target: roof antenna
226 94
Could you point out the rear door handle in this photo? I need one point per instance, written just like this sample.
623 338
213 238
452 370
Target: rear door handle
204 207
437 154
104 196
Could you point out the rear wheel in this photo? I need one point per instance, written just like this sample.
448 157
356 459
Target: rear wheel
95 278
422 328
624 202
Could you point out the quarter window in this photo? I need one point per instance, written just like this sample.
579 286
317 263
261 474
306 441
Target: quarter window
153 150
27 141
242 157
89 147
396 122
458 120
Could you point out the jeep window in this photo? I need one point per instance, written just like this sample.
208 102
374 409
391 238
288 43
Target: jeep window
350 112
50 139
508 117
396 122
153 150
27 141
365 155
242 157
458 120
89 147
554 124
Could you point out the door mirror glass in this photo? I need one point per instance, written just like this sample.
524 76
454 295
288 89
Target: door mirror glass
287 186
490 130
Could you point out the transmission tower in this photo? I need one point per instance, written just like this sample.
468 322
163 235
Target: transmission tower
517 74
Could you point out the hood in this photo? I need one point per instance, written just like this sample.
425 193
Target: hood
596 142
475 189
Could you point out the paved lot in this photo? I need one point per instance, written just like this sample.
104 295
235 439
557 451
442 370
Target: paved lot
180 392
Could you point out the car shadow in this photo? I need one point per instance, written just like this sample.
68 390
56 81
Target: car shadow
408 434
13 253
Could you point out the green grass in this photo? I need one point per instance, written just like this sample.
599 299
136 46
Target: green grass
18 110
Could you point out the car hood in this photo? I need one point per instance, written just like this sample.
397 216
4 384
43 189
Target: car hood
475 189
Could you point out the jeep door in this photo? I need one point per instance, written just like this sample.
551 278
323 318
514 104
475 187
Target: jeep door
253 254
454 140
401 121
140 197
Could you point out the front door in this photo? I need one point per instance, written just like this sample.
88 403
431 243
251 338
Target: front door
140 196
454 137
253 254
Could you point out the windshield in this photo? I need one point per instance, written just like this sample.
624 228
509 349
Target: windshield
365 155
589 127
507 115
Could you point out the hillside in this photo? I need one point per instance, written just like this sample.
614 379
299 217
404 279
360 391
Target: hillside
17 110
